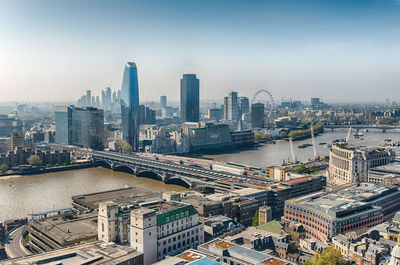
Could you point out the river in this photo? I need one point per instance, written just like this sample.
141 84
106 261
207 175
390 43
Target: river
21 195
274 154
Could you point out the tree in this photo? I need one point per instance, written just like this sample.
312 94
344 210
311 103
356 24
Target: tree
122 145
34 160
330 256
255 219
3 167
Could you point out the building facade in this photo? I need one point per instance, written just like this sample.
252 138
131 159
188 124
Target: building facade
233 107
348 164
190 98
130 105
257 115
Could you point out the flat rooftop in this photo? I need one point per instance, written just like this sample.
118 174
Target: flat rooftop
92 253
124 196
80 227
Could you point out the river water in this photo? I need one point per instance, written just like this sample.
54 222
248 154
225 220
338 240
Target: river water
274 154
21 195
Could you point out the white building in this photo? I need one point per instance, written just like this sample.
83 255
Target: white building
349 164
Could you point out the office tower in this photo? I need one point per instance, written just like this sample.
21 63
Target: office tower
190 98
80 126
108 96
257 115
130 105
225 108
98 101
315 102
146 115
163 101
233 108
88 127
103 99
63 117
244 107
88 98
114 97
214 114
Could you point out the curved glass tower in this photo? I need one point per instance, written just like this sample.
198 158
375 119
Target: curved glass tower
130 105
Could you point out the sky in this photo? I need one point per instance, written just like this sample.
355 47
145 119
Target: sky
339 50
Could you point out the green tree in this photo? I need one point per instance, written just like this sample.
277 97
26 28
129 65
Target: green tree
34 160
255 219
330 256
260 136
124 146
300 169
3 167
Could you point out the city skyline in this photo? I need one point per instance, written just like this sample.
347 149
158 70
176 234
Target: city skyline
294 50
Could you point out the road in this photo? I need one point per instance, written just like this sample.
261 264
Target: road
13 244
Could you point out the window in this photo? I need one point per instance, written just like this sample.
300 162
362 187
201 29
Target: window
102 227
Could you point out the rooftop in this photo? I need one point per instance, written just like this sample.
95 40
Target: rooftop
92 253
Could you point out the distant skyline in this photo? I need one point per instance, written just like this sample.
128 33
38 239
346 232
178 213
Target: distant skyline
55 50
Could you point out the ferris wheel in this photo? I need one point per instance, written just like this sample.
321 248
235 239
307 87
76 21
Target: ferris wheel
265 97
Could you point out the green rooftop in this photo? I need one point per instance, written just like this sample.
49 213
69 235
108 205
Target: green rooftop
273 227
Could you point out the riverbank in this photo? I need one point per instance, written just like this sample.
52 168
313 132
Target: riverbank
45 170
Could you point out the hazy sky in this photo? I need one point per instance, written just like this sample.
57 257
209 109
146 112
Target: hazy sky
334 49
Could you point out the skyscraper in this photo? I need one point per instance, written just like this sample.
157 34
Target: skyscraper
88 98
233 108
225 106
257 115
163 101
190 98
244 107
130 105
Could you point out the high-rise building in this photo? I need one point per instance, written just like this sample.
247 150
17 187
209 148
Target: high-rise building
225 108
130 105
233 108
81 126
146 115
88 127
88 98
190 109
257 115
163 101
63 117
244 107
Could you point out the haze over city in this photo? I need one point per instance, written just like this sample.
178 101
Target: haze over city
336 50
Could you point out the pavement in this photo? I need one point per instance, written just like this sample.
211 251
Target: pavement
13 244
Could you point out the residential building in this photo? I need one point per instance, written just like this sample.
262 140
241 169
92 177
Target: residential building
244 107
233 107
163 101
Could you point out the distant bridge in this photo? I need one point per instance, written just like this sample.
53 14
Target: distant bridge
384 128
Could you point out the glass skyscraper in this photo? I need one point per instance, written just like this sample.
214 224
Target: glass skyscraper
190 98
130 105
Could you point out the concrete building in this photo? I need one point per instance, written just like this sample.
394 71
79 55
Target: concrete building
214 114
219 225
210 136
264 215
225 108
257 115
155 227
325 215
19 156
242 138
89 253
348 164
63 117
190 98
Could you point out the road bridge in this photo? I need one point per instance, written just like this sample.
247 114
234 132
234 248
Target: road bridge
384 128
169 173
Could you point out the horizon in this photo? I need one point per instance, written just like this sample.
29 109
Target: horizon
295 50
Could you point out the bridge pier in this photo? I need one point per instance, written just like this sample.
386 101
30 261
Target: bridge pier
383 130
136 170
112 165
164 177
